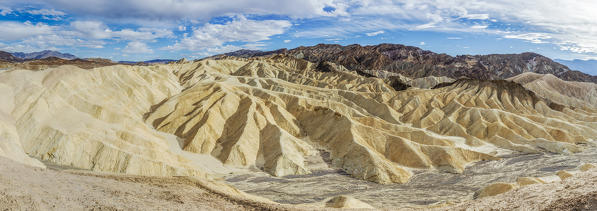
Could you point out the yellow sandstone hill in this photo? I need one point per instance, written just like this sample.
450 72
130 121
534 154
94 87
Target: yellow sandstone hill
572 93
272 113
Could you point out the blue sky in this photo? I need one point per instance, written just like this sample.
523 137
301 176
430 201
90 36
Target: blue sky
149 29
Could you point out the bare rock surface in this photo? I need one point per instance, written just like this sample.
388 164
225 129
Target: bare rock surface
571 93
28 188
291 130
575 193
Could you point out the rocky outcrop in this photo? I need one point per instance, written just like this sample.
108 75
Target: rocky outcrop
43 55
8 57
347 202
272 113
495 189
416 63
570 93
94 119
51 62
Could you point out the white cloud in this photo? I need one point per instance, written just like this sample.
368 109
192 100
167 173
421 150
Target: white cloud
10 31
98 30
174 10
532 37
479 27
567 24
92 29
287 41
86 34
240 29
136 47
476 16
5 11
46 12
371 34
422 43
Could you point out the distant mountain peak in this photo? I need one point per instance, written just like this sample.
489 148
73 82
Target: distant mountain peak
415 62
43 54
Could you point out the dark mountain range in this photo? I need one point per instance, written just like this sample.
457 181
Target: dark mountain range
154 61
8 57
43 55
415 62
160 61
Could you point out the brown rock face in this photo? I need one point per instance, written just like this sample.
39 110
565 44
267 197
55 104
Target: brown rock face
415 62
7 57
40 64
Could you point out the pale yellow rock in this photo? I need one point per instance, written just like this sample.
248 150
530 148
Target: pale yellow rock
347 202
523 181
586 167
93 119
188 118
10 142
495 189
429 81
572 93
564 174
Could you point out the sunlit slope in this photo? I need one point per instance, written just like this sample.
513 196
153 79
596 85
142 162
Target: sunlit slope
274 113
571 93
93 119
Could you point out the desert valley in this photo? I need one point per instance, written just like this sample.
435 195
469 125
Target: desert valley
298 105
308 128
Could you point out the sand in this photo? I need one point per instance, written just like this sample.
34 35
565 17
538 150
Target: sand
29 188
575 193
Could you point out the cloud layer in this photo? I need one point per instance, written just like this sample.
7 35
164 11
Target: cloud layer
238 30
196 25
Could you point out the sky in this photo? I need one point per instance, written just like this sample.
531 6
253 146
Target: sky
137 30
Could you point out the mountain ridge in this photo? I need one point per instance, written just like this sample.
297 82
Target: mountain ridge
415 62
43 54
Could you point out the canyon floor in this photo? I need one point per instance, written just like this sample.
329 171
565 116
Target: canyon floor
425 189
282 133
55 188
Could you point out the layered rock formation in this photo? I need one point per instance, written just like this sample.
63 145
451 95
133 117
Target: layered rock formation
571 93
8 57
416 63
43 55
94 119
273 113
50 62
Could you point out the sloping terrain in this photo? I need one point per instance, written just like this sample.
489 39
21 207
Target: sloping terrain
273 114
572 93
93 119
283 116
416 63
49 62
8 57
43 55
574 193
27 188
